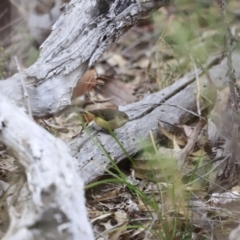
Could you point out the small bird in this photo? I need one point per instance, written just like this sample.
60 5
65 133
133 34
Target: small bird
107 118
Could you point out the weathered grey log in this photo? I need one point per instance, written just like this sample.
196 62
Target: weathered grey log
79 37
167 105
51 202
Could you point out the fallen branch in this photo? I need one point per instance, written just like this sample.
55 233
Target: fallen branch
168 105
79 37
52 201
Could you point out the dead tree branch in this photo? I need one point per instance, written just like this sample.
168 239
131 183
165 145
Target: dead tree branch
93 160
79 37
52 201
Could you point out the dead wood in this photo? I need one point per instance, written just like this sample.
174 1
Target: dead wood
92 152
51 201
79 37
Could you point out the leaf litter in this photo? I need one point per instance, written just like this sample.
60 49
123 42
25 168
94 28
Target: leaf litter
157 199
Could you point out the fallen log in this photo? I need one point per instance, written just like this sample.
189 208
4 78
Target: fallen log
175 104
79 37
51 202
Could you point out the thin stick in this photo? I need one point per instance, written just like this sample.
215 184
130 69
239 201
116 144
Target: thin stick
11 23
198 86
174 105
191 143
29 110
182 108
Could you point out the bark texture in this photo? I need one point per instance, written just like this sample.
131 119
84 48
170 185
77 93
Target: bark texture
51 202
172 105
78 39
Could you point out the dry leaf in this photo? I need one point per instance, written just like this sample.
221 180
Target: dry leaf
110 195
122 222
100 217
87 82
188 130
117 60
119 92
171 136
